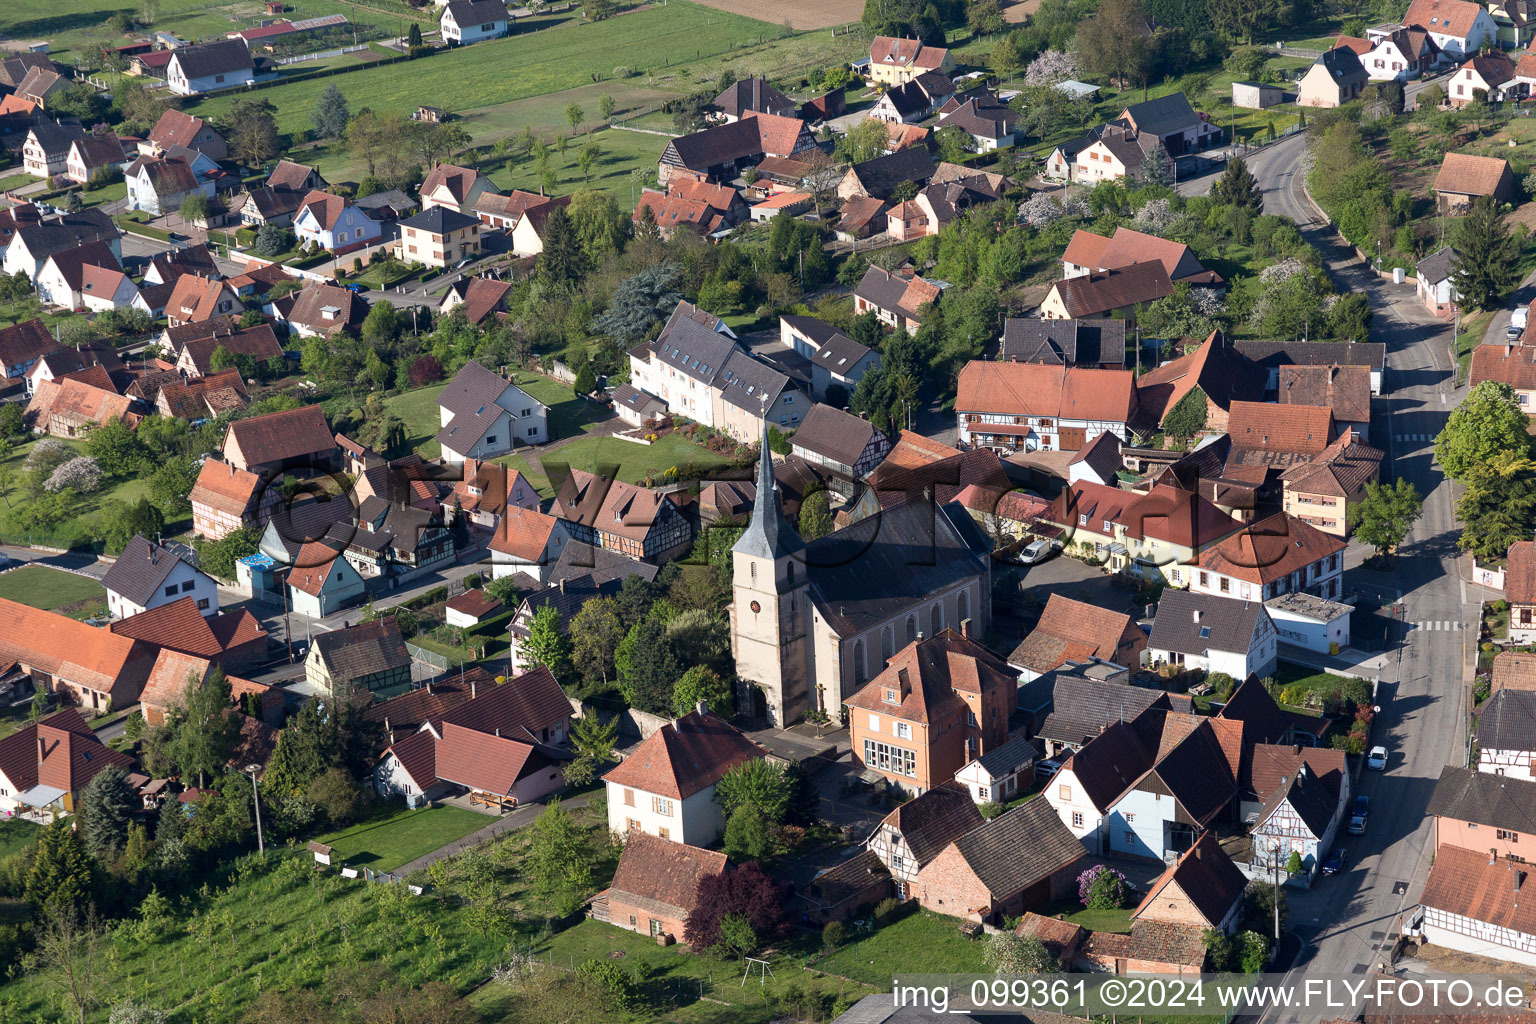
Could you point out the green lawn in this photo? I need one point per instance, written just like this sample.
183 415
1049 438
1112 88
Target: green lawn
921 943
80 528
1103 920
398 835
620 154
568 414
54 590
16 835
16 181
108 193
418 409
635 463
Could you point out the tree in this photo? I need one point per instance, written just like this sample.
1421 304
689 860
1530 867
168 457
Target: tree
559 862
1487 422
413 37
252 125
646 665
206 734
122 522
1385 515
1101 888
757 783
747 836
1004 59
331 114
106 810
69 950
1010 954
337 795
605 106
218 557
592 738
747 891
116 448
1187 417
574 115
563 262
1157 168
587 159
308 747
547 645
61 880
270 240
195 208
596 632
701 683
1483 265
1112 42
815 516
1498 506
865 141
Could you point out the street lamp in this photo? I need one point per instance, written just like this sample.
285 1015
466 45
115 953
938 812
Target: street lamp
251 770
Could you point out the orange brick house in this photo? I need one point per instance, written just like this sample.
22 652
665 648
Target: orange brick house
940 703
656 885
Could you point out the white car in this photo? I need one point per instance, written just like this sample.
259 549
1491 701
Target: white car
1376 760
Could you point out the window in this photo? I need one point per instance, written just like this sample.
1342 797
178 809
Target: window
886 758
964 605
903 731
1077 819
655 927
490 438
1513 837
629 798
1064 793
1130 818
203 604
1205 579
526 412
662 806
936 618
1107 526
1226 585
970 718
188 586
874 720
170 591
858 662
897 862
665 833
885 645
982 792
632 824
1129 837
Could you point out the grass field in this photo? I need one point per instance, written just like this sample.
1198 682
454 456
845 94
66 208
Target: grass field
798 14
920 943
635 462
54 590
621 153
397 835
81 527
76 28
16 835
418 409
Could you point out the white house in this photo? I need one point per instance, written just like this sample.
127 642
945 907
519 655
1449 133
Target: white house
62 280
322 581
1506 734
1301 810
147 576
1436 285
836 359
1458 27
1001 774
159 185
666 786
45 152
483 415
1461 907
334 223
210 67
1310 622
1277 555
469 21
1213 634
527 541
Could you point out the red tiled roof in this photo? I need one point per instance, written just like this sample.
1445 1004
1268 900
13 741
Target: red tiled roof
225 488
474 603
1269 550
482 761
1465 883
1095 631
1514 365
1296 429
1446 17
523 533
1098 293
1038 389
169 679
662 872
1465 174
1207 877
1520 572
282 435
1086 249
685 757
933 671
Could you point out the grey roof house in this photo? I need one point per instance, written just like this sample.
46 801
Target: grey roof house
835 357
368 657
1216 634
848 446
1088 342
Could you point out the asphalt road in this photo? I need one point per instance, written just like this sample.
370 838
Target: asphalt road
1346 921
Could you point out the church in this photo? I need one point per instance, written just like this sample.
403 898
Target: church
811 623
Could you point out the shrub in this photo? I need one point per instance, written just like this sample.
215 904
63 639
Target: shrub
991 809
834 934
887 908
1101 888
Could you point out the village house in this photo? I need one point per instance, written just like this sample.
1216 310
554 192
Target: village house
1202 632
1458 27
914 99
617 516
438 237
1094 343
1473 810
666 786
453 187
1320 491
258 207
1072 632
917 831
177 673
209 67
1302 810
1346 390
895 61
720 152
1215 368
147 576
1335 78
1085 701
325 310
178 128
505 211
938 704
94 668
15 217
470 21
635 407
77 402
45 765
159 185
987 121
62 279
45 152
1200 890
41 85
1471 903
1506 734
232 639
1088 253
1032 406
195 299
1397 53
480 298
1464 178
1436 286
334 224
1271 355
1121 292
752 95
878 178
93 154
1000 774
836 359
656 885
394 541
1520 591
259 344
369 657
1145 534
65 360
1277 555
484 414
1173 122
32 244
271 444
897 298
1516 21
321 580
1513 670
1490 74
846 446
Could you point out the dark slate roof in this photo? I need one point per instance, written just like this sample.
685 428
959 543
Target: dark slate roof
67 232
1082 708
881 175
691 347
753 94
846 880
363 649
1438 265
1343 66
55 137
908 98
1102 456
300 522
439 220
218 58
1313 800
1224 624
477 12
835 351
935 819
1274 354
1498 801
1004 759
1508 721
749 384
866 573
994 850
1163 115
578 559
1086 342
837 435
882 288
470 399
139 570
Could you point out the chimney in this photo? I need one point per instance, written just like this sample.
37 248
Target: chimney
1197 851
1196 614
1493 854
562 584
965 628
921 635
471 687
498 732
702 707
429 687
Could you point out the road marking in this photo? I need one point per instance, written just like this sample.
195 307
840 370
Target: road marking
1442 398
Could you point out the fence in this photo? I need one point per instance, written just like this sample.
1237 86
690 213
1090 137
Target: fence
323 55
432 658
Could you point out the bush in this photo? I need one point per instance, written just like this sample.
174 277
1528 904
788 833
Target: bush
834 934
1101 888
991 809
886 909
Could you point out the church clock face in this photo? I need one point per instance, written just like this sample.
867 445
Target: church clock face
756 607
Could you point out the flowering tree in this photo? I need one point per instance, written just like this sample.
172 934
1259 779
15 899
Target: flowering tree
1157 216
1101 888
1285 269
82 472
1051 67
1040 209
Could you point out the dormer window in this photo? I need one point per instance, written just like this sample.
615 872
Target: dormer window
892 697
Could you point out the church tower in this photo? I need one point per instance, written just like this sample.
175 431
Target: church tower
770 608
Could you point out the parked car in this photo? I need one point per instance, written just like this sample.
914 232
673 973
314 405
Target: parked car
1335 862
1045 769
1359 815
1376 760
1038 551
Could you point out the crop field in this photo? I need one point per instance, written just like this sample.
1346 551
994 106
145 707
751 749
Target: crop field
797 14
77 28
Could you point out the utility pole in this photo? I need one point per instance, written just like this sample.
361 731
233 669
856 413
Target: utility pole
261 845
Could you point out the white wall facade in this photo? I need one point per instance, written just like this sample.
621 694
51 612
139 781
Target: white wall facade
1514 763
695 820
183 581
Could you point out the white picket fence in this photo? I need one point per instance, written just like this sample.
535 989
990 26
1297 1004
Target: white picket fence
325 55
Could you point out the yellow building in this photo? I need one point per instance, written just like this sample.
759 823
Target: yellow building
439 237
894 61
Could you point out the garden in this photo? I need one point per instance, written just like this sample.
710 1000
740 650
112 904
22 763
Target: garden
54 590
393 835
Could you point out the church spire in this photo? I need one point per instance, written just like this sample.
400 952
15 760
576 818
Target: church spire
768 534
